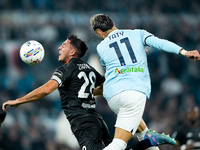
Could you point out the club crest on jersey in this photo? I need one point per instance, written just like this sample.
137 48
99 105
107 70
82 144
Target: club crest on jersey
128 70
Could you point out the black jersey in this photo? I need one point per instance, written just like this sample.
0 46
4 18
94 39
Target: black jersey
77 80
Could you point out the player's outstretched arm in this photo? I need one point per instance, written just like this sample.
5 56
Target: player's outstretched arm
190 54
171 47
36 94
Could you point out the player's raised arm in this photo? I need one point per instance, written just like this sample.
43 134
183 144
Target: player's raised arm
168 46
36 94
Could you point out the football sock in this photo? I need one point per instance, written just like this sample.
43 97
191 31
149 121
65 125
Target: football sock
140 135
142 145
116 144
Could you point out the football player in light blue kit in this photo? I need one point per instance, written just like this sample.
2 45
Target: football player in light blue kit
128 85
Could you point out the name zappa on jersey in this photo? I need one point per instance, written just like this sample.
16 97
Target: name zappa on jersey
83 66
116 35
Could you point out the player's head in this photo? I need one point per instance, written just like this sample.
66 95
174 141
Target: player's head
73 47
101 22
193 115
78 44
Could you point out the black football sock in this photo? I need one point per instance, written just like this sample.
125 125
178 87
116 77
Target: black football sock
142 145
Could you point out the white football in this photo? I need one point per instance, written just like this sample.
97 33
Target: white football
32 52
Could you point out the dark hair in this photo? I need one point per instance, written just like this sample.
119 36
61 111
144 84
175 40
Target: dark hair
80 45
102 22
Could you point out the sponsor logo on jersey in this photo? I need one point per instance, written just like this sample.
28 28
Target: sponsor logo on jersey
128 70
83 66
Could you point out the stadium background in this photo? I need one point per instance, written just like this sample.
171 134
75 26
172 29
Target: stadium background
41 125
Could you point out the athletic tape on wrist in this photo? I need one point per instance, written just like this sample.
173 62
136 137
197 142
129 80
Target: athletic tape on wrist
183 52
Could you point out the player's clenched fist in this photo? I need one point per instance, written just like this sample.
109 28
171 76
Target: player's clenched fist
193 54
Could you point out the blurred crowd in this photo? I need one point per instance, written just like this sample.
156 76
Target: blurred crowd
41 125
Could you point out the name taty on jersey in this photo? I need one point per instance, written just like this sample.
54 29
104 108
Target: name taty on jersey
83 66
116 35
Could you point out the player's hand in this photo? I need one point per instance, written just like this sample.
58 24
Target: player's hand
193 54
11 103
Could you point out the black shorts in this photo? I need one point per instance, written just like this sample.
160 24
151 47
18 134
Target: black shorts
91 132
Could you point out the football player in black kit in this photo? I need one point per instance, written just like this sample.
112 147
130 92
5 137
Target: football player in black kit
187 133
76 80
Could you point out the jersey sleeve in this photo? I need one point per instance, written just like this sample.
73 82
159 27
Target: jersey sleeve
60 75
99 78
145 35
161 44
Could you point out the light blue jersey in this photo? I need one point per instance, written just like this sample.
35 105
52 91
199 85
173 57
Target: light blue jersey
123 55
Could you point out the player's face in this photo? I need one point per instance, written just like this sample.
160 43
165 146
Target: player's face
65 51
193 115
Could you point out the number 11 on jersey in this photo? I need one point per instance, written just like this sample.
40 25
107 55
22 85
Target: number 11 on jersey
119 54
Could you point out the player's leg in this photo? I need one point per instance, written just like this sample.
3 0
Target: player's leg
152 138
142 145
142 127
90 138
129 114
141 132
106 134
88 132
